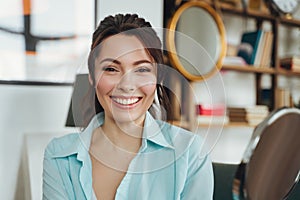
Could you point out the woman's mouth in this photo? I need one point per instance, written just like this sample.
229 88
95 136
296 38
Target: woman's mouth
126 101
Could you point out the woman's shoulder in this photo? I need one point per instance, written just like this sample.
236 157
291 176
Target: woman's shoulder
62 143
180 136
186 142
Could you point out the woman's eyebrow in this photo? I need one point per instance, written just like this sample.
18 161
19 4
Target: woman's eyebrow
142 62
110 60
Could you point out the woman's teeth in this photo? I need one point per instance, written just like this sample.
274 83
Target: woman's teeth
126 101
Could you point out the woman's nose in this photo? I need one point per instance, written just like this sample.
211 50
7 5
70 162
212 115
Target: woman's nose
127 83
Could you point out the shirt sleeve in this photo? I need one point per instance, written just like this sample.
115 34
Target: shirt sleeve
200 180
53 187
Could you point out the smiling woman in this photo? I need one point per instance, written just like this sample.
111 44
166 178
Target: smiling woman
125 79
124 152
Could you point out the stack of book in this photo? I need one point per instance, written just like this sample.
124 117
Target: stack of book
253 115
283 98
234 3
211 114
256 48
291 63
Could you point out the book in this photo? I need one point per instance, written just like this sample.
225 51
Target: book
283 98
293 59
267 51
259 50
291 63
264 50
262 109
249 45
252 115
211 109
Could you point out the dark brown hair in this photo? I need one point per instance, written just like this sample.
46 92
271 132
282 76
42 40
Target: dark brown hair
129 24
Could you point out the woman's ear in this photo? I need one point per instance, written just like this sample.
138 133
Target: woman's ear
91 80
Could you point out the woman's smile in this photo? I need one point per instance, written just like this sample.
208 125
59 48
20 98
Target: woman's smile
126 102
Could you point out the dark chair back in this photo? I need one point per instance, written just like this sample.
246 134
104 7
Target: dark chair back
81 106
272 159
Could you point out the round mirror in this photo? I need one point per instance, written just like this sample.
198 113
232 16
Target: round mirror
196 40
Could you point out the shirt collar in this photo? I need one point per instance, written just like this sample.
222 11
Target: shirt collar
81 144
151 132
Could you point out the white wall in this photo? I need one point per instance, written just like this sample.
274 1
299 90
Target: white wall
226 145
151 10
32 164
42 110
25 110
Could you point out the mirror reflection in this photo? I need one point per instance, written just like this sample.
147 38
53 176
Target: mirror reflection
201 27
197 36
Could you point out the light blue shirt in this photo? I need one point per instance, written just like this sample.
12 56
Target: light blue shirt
171 164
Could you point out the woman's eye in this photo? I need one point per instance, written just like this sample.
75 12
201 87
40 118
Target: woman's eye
110 69
143 69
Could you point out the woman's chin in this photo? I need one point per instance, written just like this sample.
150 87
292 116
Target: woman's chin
128 117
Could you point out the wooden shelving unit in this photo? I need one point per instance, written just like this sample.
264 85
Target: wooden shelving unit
287 72
275 70
289 22
249 69
259 16
228 125
260 70
247 13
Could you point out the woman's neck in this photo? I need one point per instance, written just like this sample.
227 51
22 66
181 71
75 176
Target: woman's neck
127 136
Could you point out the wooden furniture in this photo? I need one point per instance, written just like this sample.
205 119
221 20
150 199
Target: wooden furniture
274 71
260 18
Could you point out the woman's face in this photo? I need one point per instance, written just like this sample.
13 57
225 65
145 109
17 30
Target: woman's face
125 77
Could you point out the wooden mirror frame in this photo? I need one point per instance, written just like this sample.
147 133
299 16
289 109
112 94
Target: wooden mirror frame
170 40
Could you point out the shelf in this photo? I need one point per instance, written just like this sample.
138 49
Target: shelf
259 15
287 73
260 70
228 125
248 13
206 125
290 22
249 68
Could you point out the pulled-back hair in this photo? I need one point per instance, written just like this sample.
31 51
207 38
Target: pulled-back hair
129 24
132 25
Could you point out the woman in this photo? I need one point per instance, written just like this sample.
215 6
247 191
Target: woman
124 153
